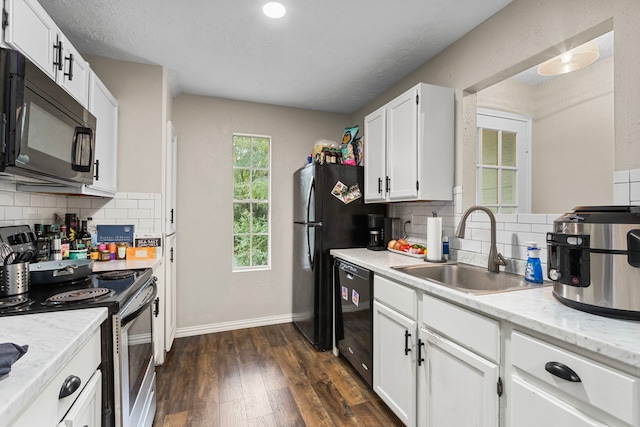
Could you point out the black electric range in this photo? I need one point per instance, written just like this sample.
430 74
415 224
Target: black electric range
110 289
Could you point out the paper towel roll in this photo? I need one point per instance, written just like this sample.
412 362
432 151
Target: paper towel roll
434 239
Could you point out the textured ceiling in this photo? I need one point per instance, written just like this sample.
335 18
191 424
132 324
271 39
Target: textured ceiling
329 55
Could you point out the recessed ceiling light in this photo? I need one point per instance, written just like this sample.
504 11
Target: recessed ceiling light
274 9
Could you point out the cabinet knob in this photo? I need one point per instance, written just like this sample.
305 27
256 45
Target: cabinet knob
69 386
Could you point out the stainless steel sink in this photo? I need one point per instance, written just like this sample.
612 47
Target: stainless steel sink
470 279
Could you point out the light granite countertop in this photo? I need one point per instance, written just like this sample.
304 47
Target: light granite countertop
535 309
53 338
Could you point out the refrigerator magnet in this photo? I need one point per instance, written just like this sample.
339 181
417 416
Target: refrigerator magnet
345 293
355 297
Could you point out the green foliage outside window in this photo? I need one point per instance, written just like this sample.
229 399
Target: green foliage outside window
251 188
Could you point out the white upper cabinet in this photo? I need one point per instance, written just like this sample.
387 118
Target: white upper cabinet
104 107
74 75
410 147
375 156
30 30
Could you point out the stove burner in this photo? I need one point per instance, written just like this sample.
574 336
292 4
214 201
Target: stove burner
9 303
116 275
77 295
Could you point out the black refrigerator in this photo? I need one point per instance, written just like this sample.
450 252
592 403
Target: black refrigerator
321 222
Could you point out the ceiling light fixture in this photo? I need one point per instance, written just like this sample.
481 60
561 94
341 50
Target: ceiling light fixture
274 10
574 59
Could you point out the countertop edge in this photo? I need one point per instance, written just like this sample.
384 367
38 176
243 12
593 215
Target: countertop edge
539 311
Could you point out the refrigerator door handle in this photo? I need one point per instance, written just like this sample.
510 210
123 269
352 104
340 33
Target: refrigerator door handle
309 249
312 190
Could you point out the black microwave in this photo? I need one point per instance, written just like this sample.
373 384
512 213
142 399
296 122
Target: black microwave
45 133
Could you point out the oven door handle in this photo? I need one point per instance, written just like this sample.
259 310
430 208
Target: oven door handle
143 306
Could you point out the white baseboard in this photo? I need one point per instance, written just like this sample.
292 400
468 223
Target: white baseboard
230 326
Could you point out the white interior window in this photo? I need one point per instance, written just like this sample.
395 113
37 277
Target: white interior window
503 166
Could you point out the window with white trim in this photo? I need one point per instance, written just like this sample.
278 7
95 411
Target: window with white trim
251 202
503 164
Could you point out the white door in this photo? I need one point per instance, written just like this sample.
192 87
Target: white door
394 361
374 156
503 179
457 387
170 179
402 146
160 313
170 292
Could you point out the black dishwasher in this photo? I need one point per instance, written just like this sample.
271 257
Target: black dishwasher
354 316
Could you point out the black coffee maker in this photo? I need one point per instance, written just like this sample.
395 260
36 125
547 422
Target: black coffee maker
377 238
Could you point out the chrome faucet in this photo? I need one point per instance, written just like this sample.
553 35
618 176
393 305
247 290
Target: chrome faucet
495 258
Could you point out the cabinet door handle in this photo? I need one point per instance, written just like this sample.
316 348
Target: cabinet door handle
420 358
97 175
57 60
171 255
388 184
406 342
379 185
156 307
171 220
69 386
70 73
561 370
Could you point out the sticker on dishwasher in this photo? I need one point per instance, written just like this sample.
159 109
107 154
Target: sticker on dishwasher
355 297
345 293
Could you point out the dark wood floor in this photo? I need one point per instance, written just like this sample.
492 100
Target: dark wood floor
267 376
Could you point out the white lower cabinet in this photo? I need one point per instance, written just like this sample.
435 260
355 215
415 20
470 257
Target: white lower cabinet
458 375
87 409
437 365
80 404
550 385
394 347
456 386
394 361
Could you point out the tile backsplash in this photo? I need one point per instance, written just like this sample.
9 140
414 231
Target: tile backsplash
512 231
143 210
626 187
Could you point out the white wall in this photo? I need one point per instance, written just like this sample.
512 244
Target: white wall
210 295
572 135
521 35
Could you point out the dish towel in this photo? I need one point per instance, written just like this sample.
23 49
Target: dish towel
9 353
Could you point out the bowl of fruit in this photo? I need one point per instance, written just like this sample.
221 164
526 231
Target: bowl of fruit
405 247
